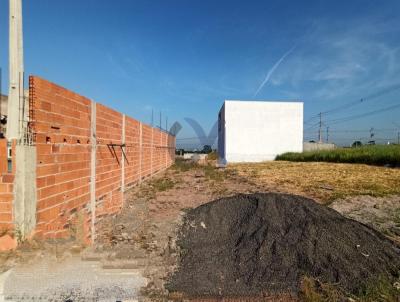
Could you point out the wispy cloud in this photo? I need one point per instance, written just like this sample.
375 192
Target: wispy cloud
271 71
340 61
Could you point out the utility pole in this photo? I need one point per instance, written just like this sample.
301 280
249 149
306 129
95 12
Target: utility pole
327 134
160 120
398 132
16 72
152 117
166 123
24 193
320 128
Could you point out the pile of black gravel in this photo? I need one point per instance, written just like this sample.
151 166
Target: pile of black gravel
249 245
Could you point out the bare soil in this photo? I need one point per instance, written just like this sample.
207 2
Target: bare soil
143 236
147 227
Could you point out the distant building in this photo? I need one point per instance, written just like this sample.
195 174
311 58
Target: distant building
3 115
4 112
255 131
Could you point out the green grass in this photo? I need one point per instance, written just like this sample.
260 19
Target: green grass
162 184
372 155
379 290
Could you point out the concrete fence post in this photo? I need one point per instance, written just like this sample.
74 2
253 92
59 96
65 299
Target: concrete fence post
123 150
140 152
166 150
93 143
151 151
25 195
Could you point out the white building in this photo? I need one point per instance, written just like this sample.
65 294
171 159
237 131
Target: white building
250 131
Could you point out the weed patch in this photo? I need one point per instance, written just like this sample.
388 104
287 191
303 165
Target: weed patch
382 290
162 184
182 165
371 155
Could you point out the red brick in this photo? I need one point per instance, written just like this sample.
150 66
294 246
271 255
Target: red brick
5 217
8 178
5 207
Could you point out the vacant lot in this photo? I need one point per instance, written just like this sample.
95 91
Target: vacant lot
148 224
324 182
373 155
143 236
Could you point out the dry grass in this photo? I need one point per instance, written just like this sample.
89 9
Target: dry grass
322 181
313 291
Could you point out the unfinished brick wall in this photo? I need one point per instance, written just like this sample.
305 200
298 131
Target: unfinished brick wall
126 151
108 160
62 137
6 189
133 151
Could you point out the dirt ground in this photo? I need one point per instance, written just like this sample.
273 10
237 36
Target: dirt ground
148 224
143 236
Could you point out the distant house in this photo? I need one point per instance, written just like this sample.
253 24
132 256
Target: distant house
3 114
255 131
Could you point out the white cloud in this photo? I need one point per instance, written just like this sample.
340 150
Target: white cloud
337 59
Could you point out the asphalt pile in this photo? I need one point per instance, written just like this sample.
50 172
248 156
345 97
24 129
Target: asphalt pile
249 245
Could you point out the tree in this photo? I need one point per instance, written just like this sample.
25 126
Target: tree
207 149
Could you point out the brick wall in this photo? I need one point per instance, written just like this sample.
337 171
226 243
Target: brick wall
62 130
132 151
108 161
61 121
6 189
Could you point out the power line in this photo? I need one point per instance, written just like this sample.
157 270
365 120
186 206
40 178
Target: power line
357 116
371 96
358 130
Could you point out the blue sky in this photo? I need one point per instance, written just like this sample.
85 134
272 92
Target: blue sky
185 57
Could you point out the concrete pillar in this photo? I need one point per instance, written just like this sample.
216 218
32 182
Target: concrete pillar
123 149
140 152
16 72
25 190
93 142
166 150
151 151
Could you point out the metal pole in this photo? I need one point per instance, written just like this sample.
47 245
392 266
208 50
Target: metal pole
160 120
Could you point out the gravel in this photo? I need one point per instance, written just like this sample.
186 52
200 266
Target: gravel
249 245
